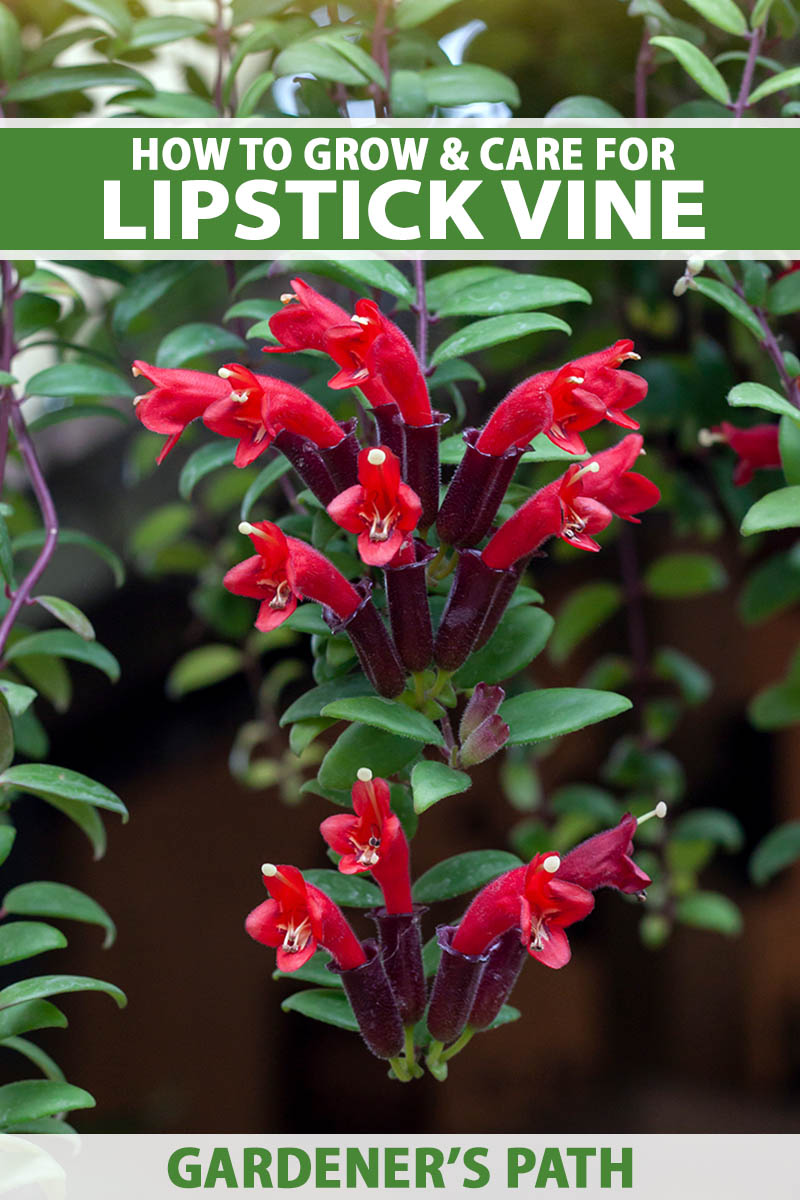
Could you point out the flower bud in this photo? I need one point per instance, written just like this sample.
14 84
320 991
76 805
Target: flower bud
490 736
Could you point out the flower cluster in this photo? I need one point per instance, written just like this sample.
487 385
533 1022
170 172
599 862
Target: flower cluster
383 487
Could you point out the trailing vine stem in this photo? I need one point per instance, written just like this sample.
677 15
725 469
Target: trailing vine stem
380 52
756 38
423 316
11 414
770 343
644 69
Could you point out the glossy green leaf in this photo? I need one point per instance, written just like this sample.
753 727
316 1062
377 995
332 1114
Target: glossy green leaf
197 340
146 288
351 891
63 643
777 510
695 63
307 618
521 635
68 614
10 44
777 83
6 556
482 334
552 712
685 574
202 462
203 667
784 295
585 800
583 107
163 526
756 395
709 824
469 83
312 702
710 910
432 781
43 780
314 971
57 80
789 446
778 706
25 939
7 835
462 873
57 985
359 58
777 851
115 12
36 1055
312 57
180 105
85 816
358 273
444 288
35 1014
512 292
694 683
388 715
59 901
365 746
30 1099
18 697
760 13
407 95
78 379
323 1004
771 588
158 31
6 735
253 93
714 290
410 13
264 480
34 540
725 14
582 613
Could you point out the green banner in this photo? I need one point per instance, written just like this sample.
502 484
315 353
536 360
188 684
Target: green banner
520 189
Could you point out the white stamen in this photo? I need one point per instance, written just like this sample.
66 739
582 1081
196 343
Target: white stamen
238 397
376 458
632 356
250 530
287 297
551 864
574 379
224 373
137 400
269 869
360 320
591 468
364 775
659 811
135 372
706 437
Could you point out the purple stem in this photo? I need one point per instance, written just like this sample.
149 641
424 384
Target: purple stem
423 316
772 347
756 38
220 36
380 52
6 358
644 68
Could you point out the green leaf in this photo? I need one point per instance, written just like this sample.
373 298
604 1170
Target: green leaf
512 292
777 510
462 873
789 446
7 835
34 540
386 714
552 712
146 288
410 13
17 696
6 556
685 574
771 588
202 462
777 851
322 1004
784 296
196 340
168 104
354 54
442 289
36 1014
585 800
6 735
481 334
253 93
57 985
351 891
778 83
36 1055
158 31
86 817
581 107
58 900
694 684
314 971
312 702
433 781
711 825
31 1099
78 379
57 80
265 479
115 12
365 746
374 273
162 528
63 643
695 63
714 290
756 395
324 61
10 44
581 614
779 705
24 939
470 83
521 635
407 95
710 910
68 614
722 13
203 667
760 13
46 781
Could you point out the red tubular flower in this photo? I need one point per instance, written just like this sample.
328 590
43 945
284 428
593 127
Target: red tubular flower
567 402
381 509
757 448
605 859
373 840
284 570
298 918
178 398
376 356
581 503
304 321
533 900
257 408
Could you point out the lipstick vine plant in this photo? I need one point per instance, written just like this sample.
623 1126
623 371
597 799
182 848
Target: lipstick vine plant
33 669
422 626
